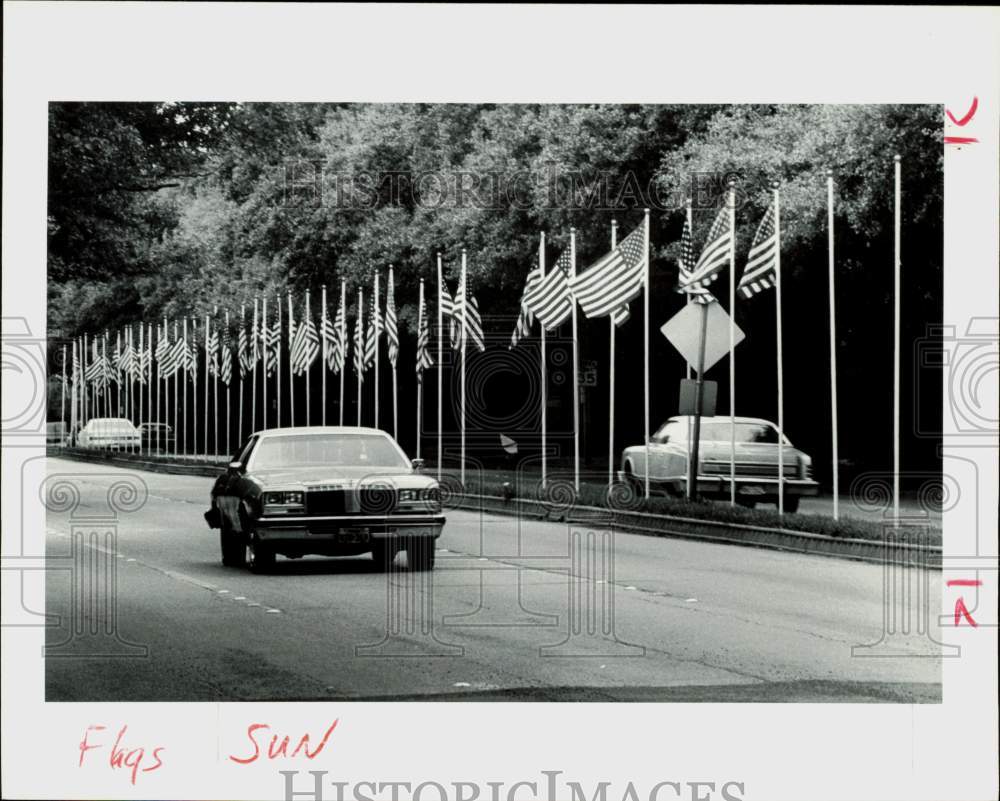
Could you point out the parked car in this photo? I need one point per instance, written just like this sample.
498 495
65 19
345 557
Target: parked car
57 433
756 461
156 435
109 432
335 491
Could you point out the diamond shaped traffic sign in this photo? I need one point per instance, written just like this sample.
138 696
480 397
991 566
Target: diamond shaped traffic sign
683 331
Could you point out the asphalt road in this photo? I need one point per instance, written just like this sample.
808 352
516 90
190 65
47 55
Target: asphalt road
506 615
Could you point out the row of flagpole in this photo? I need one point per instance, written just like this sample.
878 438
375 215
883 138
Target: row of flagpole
552 295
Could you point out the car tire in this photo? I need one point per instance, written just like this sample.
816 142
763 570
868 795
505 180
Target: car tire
231 545
420 555
384 557
792 503
633 483
260 556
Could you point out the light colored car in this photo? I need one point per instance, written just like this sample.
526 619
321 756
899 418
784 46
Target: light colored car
109 432
756 461
331 490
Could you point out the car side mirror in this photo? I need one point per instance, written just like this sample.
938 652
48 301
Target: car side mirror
418 464
236 467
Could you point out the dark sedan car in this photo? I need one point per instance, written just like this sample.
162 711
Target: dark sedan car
336 491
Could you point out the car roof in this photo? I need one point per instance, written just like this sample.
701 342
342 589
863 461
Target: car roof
305 430
723 419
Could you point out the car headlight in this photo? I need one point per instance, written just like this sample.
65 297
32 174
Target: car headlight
806 466
424 499
284 502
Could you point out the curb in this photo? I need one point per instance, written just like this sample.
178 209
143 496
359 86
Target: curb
897 551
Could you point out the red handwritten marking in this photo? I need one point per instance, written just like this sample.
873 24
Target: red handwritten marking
972 110
964 583
962 611
960 140
119 757
274 750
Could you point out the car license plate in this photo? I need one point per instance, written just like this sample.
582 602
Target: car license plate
751 490
352 535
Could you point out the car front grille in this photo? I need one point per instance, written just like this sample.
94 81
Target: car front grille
751 469
326 502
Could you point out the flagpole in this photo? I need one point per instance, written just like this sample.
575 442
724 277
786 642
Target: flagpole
194 388
323 329
395 390
687 300
420 372
732 341
781 369
277 364
576 369
359 347
376 328
343 343
104 376
187 357
264 336
62 402
305 322
215 392
208 358
611 375
895 351
291 378
239 368
159 389
176 433
142 378
544 375
229 394
254 337
645 338
833 348
440 365
465 304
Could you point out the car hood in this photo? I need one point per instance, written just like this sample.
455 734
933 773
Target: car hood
338 477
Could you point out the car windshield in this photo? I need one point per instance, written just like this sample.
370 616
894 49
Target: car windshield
111 426
718 431
344 450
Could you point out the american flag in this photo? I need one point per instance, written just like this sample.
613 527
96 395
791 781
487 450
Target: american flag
162 347
447 304
243 355
254 337
271 339
374 332
608 285
97 369
715 254
143 357
685 268
212 349
226 363
548 298
327 335
391 328
467 308
525 319
359 336
125 358
762 263
424 359
174 357
305 344
338 353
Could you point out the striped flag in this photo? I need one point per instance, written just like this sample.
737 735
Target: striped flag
328 336
255 337
760 272
212 348
338 353
162 346
607 286
391 328
424 359
374 333
685 268
243 356
271 339
466 306
226 364
549 297
359 337
525 319
305 344
715 254
191 351
447 304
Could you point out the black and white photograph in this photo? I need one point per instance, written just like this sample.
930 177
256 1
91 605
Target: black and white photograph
496 402
387 389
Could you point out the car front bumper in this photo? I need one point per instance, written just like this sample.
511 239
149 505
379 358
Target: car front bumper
350 529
